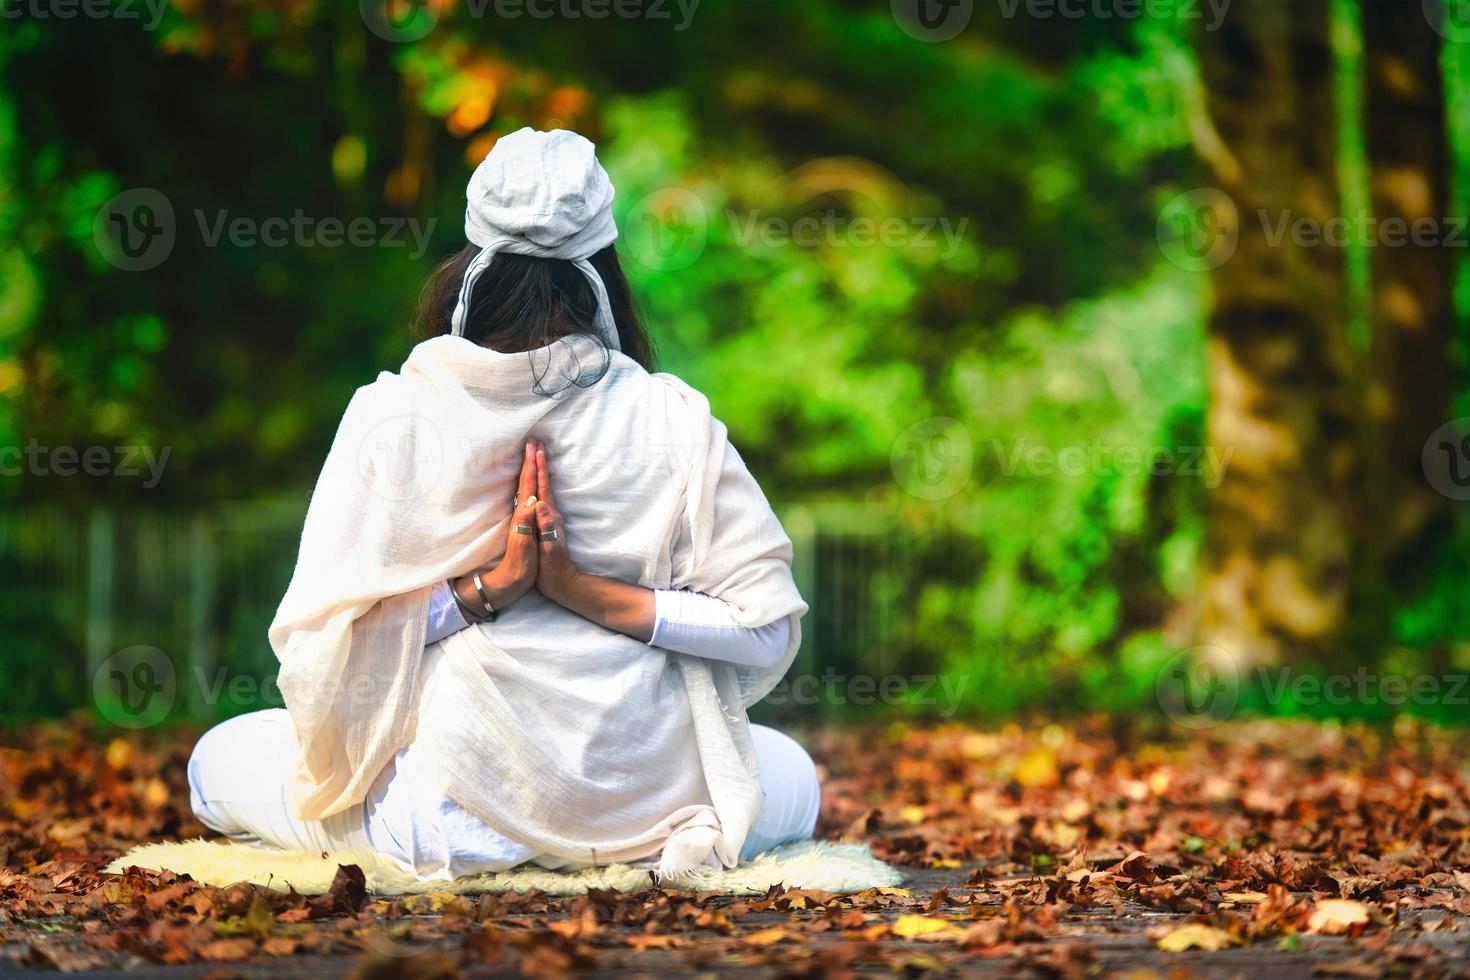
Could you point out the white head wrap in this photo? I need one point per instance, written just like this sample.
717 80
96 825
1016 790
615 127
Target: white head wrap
540 194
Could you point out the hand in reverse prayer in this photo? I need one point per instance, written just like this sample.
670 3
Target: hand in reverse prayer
556 576
514 576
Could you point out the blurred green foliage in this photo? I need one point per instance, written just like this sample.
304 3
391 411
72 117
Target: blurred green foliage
1050 321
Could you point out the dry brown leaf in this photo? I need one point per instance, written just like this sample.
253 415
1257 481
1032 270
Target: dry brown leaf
1195 936
1336 916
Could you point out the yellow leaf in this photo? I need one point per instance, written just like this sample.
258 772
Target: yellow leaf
662 941
1195 936
25 808
911 814
257 922
116 891
119 754
1007 816
1038 768
1245 898
67 831
925 927
766 937
1336 916
1076 811
978 746
156 793
1065 836
431 902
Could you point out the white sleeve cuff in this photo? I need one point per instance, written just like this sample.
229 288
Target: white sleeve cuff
703 626
445 617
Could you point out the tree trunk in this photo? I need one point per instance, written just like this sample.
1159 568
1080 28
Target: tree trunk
1409 375
1278 548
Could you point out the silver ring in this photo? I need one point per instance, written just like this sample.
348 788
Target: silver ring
515 501
525 529
548 535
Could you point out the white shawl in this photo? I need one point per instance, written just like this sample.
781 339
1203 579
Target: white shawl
416 489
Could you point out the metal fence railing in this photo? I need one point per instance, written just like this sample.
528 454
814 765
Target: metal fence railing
79 589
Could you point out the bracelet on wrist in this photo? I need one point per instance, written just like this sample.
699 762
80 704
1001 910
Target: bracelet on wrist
490 613
469 613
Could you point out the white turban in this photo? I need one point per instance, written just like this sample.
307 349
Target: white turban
540 194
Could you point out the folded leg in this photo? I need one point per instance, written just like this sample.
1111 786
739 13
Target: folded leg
793 792
239 777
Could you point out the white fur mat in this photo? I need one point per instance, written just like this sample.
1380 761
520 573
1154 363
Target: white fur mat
819 865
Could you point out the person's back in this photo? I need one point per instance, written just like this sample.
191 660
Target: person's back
624 448
537 588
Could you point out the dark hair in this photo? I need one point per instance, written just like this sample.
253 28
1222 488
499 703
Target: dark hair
523 303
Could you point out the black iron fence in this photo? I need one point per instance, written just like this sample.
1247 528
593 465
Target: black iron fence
97 608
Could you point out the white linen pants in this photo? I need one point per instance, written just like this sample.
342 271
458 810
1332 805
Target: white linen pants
240 772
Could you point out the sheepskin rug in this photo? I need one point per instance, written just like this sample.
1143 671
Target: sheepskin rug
824 866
